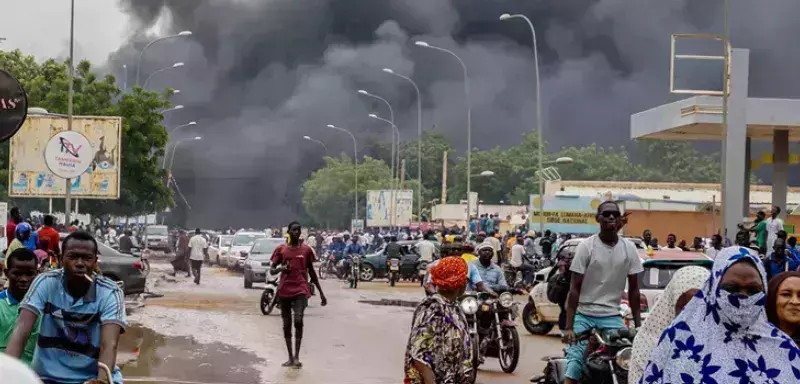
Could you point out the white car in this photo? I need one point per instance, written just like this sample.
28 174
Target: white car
240 247
219 248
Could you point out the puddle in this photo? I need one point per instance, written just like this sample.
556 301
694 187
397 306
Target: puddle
392 303
150 358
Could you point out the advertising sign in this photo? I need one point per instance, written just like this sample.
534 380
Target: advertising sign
379 208
30 176
68 154
565 214
13 105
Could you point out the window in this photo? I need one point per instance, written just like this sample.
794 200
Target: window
246 239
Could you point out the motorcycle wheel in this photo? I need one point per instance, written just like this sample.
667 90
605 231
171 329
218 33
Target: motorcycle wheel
267 302
509 358
323 270
392 278
476 356
531 323
355 278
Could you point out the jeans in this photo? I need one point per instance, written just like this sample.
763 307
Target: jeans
527 273
576 351
196 265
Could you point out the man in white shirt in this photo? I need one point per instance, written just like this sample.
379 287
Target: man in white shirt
518 261
426 248
497 246
198 247
774 225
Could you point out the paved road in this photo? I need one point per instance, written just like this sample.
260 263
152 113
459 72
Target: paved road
215 333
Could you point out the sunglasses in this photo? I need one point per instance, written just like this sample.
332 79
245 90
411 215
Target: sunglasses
610 214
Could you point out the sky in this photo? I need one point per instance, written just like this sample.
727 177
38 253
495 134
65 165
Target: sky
41 28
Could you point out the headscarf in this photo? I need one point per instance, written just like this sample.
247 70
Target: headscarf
449 273
772 294
685 279
723 337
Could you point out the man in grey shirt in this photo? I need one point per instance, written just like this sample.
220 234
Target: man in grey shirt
602 265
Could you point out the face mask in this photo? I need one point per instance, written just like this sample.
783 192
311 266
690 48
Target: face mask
740 309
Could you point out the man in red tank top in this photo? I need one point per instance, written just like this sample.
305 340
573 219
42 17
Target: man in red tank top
294 261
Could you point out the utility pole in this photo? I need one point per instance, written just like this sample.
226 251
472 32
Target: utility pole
402 173
444 178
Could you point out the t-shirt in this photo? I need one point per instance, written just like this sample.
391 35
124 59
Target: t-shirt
11 229
426 250
9 311
295 281
674 249
68 345
774 267
51 235
517 253
605 271
761 234
495 242
15 244
197 243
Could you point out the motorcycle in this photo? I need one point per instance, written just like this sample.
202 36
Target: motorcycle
355 270
606 361
328 266
394 271
422 270
269 297
493 331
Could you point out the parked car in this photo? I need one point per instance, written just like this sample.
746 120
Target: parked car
374 264
218 250
240 246
126 270
258 261
662 265
156 237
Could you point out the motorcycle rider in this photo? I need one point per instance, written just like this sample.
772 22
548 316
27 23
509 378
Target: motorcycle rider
337 247
392 250
427 247
126 242
474 281
491 274
354 248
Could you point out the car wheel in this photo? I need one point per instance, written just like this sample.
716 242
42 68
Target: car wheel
367 272
530 319
247 283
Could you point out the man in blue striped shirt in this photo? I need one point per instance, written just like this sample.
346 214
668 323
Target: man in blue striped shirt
82 315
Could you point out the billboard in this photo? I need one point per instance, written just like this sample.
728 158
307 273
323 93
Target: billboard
29 175
379 208
565 214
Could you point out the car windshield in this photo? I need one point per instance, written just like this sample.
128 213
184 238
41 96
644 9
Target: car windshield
657 276
244 239
226 241
265 246
156 231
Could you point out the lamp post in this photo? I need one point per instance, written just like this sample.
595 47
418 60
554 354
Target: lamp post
395 131
355 168
125 76
175 149
141 54
469 120
166 149
419 139
539 127
175 108
395 144
176 65
70 94
309 138
541 174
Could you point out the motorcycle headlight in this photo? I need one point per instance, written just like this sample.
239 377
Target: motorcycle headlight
506 300
624 358
469 305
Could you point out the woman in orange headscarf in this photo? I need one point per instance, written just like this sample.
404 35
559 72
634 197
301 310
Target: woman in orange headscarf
439 347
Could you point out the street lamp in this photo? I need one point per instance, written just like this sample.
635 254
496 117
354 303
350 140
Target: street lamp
176 65
309 138
539 127
395 151
184 125
166 148
355 168
469 120
419 138
139 63
560 160
125 82
175 149
175 108
487 173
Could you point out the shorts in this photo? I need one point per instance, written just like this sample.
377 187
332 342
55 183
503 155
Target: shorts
297 303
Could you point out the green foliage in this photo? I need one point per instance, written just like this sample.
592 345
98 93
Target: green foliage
328 193
143 136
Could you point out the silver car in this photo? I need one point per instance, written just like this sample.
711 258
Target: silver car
240 247
258 261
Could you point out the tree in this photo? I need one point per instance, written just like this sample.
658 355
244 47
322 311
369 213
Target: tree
328 193
142 187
